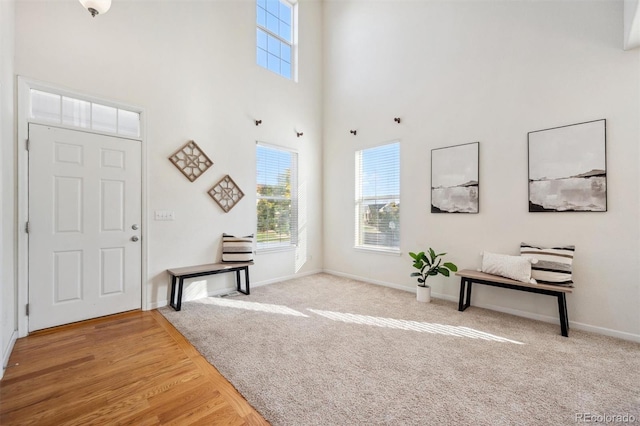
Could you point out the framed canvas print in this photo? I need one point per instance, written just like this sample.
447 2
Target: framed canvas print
455 179
567 168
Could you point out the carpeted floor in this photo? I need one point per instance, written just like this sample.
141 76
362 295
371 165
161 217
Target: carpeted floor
325 350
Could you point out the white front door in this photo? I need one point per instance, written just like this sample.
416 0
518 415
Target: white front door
84 220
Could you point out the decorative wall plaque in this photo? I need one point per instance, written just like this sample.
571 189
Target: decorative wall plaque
226 193
191 160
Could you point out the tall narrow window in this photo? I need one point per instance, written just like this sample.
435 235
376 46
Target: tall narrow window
277 197
275 29
378 197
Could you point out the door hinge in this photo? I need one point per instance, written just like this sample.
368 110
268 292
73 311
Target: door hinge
27 309
28 144
26 227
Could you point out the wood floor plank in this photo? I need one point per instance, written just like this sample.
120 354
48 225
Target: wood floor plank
225 388
132 368
222 414
51 369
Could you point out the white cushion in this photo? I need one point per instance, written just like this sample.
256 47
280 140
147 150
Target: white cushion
515 267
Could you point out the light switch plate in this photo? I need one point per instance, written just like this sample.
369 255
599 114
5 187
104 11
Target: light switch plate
164 215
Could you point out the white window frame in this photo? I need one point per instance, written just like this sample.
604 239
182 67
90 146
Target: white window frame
293 238
360 199
294 39
32 85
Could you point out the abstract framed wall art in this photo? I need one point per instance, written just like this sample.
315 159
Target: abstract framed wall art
455 179
568 168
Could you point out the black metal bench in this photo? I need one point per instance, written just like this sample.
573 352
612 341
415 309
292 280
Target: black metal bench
468 277
180 274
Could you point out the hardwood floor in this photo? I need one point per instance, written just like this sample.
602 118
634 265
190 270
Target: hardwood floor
132 368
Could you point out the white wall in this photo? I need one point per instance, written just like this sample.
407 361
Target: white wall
7 232
455 72
459 72
191 66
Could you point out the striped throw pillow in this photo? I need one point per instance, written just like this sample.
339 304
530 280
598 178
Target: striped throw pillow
554 264
237 249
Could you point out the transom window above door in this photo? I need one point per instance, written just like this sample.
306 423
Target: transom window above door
84 114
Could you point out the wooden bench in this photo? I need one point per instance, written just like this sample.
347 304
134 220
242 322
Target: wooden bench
180 274
468 277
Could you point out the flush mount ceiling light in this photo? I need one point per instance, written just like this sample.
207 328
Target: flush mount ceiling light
96 7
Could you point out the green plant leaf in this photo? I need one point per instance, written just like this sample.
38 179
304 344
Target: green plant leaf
432 254
431 264
451 266
444 271
438 264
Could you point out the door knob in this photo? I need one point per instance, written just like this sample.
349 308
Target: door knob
134 226
134 238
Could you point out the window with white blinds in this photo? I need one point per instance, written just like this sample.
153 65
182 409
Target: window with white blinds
277 197
377 222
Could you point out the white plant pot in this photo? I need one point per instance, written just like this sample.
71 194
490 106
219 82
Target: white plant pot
423 294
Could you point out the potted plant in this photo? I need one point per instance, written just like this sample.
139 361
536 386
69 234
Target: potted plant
429 264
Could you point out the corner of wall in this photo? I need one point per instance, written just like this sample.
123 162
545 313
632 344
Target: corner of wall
8 321
631 24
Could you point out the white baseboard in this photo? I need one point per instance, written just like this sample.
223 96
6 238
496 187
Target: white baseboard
161 303
7 352
606 331
155 305
572 324
285 278
369 280
545 318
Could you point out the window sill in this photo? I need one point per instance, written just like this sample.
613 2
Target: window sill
269 250
379 250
